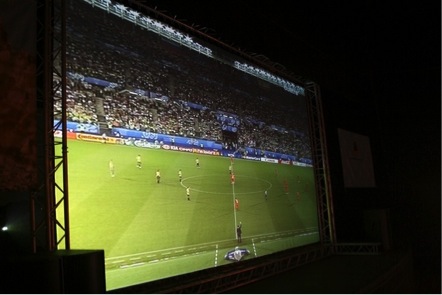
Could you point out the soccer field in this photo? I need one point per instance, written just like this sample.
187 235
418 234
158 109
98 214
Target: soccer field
150 230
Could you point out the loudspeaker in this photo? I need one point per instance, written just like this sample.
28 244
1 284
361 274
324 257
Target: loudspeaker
377 227
63 271
82 271
30 274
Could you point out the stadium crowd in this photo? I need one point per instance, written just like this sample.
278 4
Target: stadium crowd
148 83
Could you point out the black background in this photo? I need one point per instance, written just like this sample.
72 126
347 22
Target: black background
378 66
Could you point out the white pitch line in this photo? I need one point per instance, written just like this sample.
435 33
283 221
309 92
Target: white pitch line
216 255
135 258
254 247
132 265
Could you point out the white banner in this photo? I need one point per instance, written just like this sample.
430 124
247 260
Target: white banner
357 164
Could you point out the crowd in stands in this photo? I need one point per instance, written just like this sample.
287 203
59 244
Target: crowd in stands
155 85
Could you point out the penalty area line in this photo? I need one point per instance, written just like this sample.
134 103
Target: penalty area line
254 247
216 255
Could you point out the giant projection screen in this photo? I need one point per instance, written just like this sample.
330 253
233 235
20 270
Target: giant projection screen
183 155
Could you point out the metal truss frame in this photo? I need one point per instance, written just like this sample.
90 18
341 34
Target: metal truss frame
229 277
320 164
357 248
254 273
51 197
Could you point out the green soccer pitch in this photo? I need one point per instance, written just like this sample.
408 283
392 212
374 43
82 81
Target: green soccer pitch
151 231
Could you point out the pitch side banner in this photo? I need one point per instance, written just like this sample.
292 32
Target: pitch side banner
166 139
172 141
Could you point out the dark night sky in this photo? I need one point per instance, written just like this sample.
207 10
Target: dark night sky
378 66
